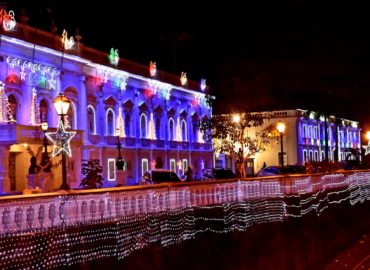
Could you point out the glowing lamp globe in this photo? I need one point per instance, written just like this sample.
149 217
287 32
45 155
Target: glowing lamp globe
44 126
280 127
61 104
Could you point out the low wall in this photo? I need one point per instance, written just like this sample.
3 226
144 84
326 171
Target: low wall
56 230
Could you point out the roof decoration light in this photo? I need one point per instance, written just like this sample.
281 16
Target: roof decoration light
152 69
183 78
113 57
203 84
7 19
67 43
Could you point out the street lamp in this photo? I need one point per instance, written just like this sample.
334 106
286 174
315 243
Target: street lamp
281 128
45 158
119 163
61 104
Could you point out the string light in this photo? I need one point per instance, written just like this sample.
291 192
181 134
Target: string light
6 115
61 139
203 84
35 109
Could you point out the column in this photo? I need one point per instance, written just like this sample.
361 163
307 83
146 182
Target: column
4 175
82 119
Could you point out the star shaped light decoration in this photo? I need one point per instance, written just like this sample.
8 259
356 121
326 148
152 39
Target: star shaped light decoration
61 139
367 148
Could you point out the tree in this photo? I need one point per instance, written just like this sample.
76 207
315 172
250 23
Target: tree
92 170
231 135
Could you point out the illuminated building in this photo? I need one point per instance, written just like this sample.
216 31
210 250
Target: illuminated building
156 115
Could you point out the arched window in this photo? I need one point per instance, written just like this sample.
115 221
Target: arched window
13 107
195 132
71 116
143 126
43 111
110 127
127 124
158 128
184 133
91 119
171 129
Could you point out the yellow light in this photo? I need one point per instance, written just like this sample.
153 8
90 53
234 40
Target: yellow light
61 104
236 118
44 126
280 127
368 135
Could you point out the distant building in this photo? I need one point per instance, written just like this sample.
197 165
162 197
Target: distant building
304 139
155 113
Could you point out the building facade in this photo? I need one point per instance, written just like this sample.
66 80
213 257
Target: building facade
304 139
153 114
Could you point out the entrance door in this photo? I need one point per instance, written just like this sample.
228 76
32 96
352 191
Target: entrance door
11 169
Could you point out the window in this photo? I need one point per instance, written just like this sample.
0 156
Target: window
13 106
173 165
91 119
171 131
158 127
143 126
304 135
195 132
309 132
111 169
310 155
316 156
71 117
110 128
43 111
144 166
304 155
322 155
315 132
183 131
184 165
127 124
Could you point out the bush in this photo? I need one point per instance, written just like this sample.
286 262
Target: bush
92 170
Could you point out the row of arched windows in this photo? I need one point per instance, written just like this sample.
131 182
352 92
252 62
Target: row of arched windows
144 125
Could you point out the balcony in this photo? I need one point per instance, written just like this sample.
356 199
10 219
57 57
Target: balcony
185 145
159 143
12 134
129 141
145 142
94 139
110 140
196 145
172 144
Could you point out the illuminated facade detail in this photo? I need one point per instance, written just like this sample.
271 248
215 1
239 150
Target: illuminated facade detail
203 84
111 169
305 141
153 115
113 57
7 19
61 140
152 69
67 43
183 78
35 109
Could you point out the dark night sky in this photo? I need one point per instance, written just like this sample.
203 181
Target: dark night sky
298 54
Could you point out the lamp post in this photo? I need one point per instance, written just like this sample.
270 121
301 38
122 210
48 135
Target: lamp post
45 158
119 163
281 128
61 104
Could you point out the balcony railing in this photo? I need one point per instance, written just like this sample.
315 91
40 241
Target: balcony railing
172 144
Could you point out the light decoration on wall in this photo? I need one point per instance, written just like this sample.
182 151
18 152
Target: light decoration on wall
200 136
203 84
120 124
67 43
114 75
113 57
7 19
35 109
118 223
163 89
178 130
183 78
36 72
5 112
367 147
152 135
152 69
61 139
199 98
